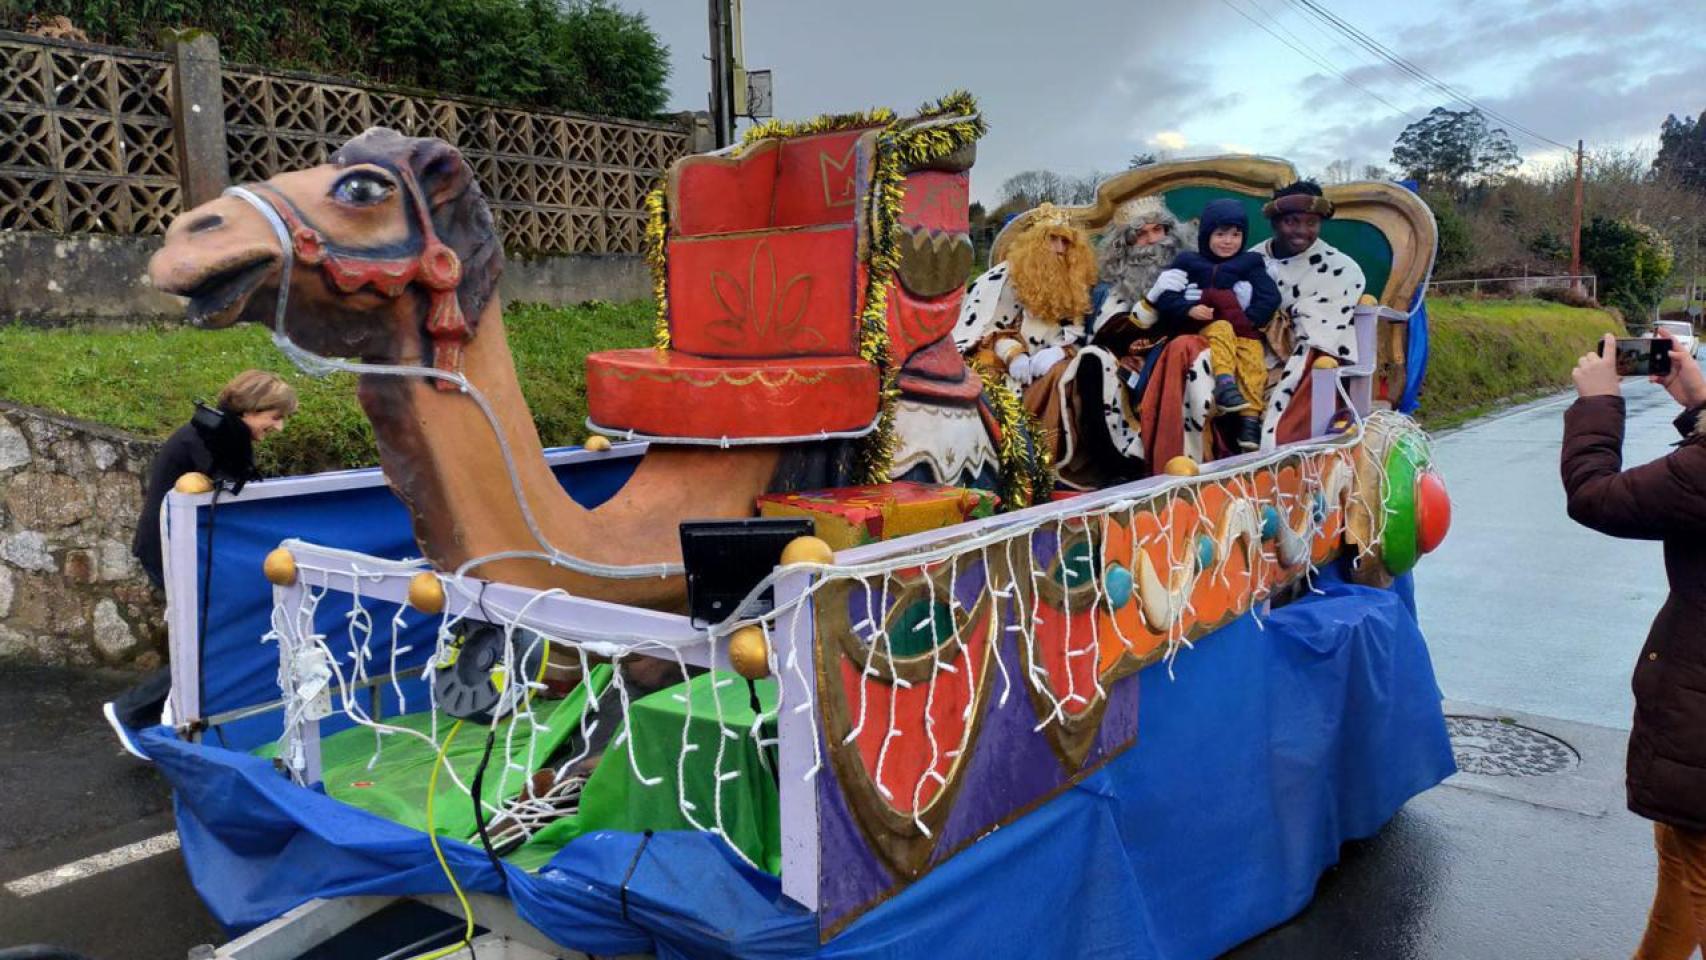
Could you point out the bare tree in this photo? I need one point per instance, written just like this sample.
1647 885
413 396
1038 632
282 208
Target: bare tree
1031 187
1342 170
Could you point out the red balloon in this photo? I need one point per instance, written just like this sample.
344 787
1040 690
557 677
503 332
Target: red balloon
1433 511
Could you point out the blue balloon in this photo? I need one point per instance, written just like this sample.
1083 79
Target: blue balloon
1270 522
1117 583
1205 552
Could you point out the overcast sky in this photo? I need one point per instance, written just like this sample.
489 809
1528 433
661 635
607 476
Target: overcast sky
1081 85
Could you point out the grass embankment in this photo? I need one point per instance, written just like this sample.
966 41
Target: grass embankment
1484 354
144 379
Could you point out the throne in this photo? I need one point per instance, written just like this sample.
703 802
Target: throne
765 284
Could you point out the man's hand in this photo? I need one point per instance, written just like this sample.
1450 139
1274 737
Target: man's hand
1201 313
1170 281
1045 359
1685 383
1596 373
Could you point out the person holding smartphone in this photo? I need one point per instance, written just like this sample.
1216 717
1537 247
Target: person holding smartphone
1665 501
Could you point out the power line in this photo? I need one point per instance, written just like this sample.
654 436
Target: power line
1345 28
1308 53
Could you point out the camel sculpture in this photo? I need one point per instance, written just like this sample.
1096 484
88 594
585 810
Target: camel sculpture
393 262
370 280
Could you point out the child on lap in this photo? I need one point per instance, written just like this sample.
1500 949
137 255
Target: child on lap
1238 298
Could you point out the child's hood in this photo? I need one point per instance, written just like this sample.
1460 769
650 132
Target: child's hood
1221 213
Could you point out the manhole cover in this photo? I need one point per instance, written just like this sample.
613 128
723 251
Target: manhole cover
1499 748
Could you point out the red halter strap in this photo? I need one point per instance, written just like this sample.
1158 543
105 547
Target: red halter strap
436 267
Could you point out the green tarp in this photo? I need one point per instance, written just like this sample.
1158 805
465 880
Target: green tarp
615 797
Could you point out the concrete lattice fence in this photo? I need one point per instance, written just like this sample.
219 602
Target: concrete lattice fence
98 139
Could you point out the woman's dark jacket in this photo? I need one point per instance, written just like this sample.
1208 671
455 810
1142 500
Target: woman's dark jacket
1663 500
216 443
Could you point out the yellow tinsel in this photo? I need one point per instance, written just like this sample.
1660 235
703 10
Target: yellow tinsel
1027 470
657 232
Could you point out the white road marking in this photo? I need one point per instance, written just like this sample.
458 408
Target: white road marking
90 866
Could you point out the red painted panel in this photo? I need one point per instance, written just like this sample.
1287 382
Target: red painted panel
938 201
915 323
819 180
717 195
668 394
773 294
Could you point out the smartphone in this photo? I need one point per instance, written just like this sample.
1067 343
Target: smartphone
1641 356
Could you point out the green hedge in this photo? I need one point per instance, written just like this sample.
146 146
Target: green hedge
1485 353
144 379
587 55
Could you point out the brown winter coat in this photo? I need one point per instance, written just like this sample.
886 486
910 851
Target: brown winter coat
1663 500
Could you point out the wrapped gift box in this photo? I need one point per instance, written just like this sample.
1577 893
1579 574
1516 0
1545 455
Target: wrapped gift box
851 516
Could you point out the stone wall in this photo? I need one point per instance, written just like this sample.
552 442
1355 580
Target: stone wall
70 592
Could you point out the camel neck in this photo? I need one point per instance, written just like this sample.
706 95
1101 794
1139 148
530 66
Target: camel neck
442 454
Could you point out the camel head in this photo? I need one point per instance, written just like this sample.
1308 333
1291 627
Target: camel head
392 253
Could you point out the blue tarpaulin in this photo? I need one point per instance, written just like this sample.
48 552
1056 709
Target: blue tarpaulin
1265 751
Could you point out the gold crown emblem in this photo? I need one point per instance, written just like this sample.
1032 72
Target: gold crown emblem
1049 215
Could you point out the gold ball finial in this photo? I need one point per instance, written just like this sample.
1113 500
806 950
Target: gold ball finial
1326 363
597 443
1367 300
193 482
426 593
749 654
1181 466
807 550
280 564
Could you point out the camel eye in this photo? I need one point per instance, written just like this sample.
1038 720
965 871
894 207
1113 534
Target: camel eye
362 190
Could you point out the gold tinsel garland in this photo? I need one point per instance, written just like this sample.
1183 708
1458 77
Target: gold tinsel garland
1027 470
898 146
657 232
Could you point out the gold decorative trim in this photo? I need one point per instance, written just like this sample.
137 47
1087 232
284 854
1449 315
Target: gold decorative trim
717 378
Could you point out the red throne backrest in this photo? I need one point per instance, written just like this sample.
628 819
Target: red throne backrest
764 248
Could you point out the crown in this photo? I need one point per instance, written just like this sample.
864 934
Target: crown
1049 215
1140 210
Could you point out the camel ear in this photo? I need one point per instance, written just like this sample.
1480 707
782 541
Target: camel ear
441 171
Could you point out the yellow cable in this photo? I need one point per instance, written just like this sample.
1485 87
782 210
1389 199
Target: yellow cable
432 835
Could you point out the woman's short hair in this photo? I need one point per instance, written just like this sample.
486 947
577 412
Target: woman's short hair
255 390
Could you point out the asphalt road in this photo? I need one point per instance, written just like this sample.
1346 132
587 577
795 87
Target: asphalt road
1522 607
67 791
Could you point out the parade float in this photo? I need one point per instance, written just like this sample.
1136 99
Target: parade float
809 657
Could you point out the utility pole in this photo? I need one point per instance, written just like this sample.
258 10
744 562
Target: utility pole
722 73
1576 229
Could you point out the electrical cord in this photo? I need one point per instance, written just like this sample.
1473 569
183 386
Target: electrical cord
432 836
476 793
206 591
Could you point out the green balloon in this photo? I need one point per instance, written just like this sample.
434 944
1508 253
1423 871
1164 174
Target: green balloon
1398 542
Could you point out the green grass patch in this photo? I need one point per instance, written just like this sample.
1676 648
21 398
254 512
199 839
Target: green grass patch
1484 354
143 379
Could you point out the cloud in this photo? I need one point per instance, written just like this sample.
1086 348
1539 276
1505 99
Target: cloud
1169 140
